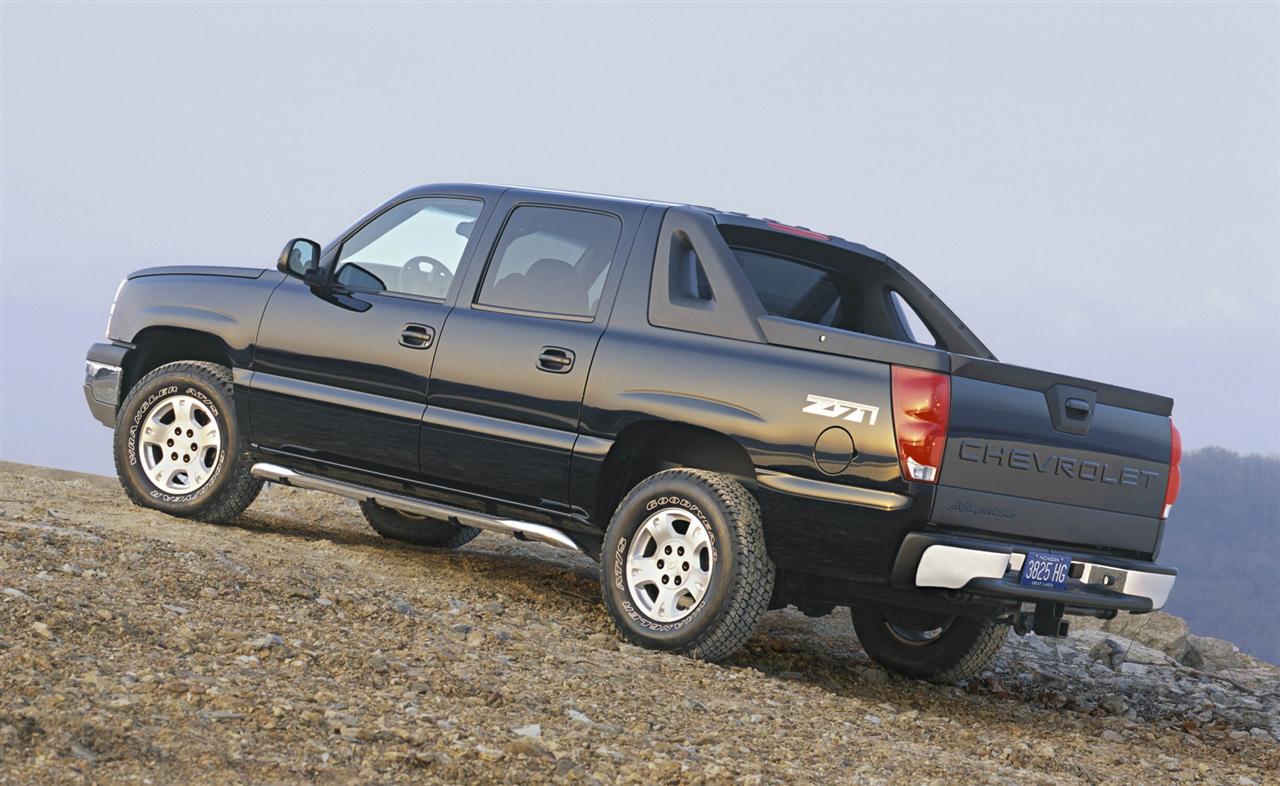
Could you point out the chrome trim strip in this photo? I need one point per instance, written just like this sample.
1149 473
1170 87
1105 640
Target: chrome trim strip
103 381
525 530
833 492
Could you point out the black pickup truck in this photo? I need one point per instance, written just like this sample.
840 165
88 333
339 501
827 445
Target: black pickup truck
731 414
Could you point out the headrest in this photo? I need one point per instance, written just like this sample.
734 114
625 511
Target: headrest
548 267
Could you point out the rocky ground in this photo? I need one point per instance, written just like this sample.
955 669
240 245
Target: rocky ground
296 645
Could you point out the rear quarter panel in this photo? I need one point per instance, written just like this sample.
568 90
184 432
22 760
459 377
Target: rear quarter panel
758 395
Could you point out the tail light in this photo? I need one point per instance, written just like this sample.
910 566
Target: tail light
801 231
921 409
1175 471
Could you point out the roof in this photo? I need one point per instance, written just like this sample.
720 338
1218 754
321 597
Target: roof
725 217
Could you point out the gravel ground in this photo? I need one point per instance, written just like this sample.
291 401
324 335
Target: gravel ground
295 645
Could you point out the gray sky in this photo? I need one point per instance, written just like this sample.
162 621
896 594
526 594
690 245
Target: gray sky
1094 188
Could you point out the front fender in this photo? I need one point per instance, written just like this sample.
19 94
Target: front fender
228 307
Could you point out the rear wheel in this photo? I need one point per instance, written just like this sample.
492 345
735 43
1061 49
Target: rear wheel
933 647
684 566
417 529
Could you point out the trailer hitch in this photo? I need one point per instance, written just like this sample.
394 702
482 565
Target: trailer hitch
1043 618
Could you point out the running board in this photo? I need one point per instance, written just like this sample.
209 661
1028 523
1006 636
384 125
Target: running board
522 530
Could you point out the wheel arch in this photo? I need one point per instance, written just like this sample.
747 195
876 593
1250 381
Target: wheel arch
160 344
650 446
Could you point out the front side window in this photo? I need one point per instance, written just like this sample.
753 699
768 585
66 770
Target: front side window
551 261
414 248
792 289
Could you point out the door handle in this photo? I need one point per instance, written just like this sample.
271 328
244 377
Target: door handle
557 360
415 336
1076 408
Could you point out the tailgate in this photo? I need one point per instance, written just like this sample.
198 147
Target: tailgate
1054 459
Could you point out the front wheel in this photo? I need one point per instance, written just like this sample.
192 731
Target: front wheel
178 446
684 566
932 647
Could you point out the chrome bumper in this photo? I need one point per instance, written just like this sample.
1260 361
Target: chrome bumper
103 375
994 569
103 382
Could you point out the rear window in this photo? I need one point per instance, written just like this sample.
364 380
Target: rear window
793 289
824 284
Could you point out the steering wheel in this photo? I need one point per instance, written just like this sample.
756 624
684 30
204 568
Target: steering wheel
425 276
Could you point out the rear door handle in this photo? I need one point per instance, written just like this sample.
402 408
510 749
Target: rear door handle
557 360
415 336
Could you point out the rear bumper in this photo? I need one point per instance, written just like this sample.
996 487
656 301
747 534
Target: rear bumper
103 373
992 569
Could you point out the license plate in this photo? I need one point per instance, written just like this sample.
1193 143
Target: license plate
1045 570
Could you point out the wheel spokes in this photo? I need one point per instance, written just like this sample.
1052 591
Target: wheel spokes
658 528
668 568
698 582
697 537
179 444
644 570
207 436
182 407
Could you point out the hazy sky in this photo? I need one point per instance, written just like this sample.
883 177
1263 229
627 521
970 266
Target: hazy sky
1094 188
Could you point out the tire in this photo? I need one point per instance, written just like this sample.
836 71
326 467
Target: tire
731 574
217 486
961 648
422 531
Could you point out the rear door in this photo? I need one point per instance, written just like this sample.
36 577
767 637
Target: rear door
1056 459
341 375
507 386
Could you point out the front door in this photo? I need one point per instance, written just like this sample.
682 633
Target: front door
341 374
503 408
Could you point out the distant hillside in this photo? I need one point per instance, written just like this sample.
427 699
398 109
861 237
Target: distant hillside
1224 537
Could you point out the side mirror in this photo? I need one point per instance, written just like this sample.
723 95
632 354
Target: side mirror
300 259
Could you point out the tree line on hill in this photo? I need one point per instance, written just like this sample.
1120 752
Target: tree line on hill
1224 537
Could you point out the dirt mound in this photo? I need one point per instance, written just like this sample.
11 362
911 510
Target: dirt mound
296 645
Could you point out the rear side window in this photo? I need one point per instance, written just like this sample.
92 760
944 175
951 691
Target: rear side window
792 289
551 261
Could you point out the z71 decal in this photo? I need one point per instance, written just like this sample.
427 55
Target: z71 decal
834 408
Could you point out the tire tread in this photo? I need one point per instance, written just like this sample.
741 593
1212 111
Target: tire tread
961 653
459 536
241 488
983 650
753 573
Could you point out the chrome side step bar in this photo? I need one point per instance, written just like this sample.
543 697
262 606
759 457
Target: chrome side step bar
522 530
